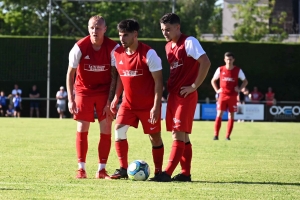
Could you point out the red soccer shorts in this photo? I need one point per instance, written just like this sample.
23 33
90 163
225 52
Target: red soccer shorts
227 103
88 105
132 117
180 112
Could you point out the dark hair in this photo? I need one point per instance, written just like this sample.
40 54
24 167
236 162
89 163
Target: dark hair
229 54
128 25
170 18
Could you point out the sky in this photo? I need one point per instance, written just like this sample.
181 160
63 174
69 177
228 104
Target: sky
219 2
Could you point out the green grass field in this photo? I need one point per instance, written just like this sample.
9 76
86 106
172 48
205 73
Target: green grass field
38 161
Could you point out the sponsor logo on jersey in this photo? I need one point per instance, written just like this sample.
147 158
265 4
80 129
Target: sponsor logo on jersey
87 57
121 62
137 72
176 64
176 120
95 68
228 79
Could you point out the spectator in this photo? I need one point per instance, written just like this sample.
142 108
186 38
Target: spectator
34 104
270 95
16 90
256 95
61 97
3 104
10 111
17 105
246 95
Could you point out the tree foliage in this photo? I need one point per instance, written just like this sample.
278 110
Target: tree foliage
23 17
253 22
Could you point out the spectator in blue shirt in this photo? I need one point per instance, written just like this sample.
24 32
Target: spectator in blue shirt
17 105
3 105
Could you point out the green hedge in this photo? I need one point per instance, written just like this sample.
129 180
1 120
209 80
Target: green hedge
24 61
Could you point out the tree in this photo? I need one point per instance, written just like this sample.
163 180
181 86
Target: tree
253 22
197 16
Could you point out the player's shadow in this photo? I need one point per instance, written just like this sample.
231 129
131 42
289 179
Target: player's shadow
251 183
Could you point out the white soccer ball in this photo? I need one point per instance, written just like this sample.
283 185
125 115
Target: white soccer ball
138 170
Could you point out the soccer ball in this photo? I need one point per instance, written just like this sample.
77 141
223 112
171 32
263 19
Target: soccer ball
138 170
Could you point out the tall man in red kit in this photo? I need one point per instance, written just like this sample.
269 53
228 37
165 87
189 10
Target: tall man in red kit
228 91
189 65
92 61
140 77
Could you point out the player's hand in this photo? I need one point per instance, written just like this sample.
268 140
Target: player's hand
113 105
237 89
219 90
154 115
186 90
72 107
109 115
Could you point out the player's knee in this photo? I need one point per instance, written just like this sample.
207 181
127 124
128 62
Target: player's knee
120 133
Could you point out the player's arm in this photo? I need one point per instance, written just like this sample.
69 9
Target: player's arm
214 81
195 50
155 67
118 91
242 76
70 82
74 58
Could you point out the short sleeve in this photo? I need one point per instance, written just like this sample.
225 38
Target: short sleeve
242 75
74 56
217 74
193 48
153 61
113 58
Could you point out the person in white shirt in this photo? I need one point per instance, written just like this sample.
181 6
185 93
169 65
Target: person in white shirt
61 97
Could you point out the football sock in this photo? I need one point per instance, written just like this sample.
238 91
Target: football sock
218 122
229 127
175 155
186 159
81 146
158 156
81 165
104 147
101 166
122 152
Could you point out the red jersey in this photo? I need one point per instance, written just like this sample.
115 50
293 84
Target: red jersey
269 98
93 75
183 66
135 74
229 80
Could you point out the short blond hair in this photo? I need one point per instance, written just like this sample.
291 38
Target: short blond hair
98 18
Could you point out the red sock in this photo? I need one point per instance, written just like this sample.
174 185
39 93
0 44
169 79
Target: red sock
175 155
186 159
81 146
158 157
122 152
218 122
104 147
229 127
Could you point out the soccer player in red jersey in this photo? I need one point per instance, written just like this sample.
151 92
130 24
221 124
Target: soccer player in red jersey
228 91
94 86
140 77
189 65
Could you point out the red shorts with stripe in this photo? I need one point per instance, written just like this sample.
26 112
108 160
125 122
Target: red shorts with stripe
180 112
227 103
132 117
88 105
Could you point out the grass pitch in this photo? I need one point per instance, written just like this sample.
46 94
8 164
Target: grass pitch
38 161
